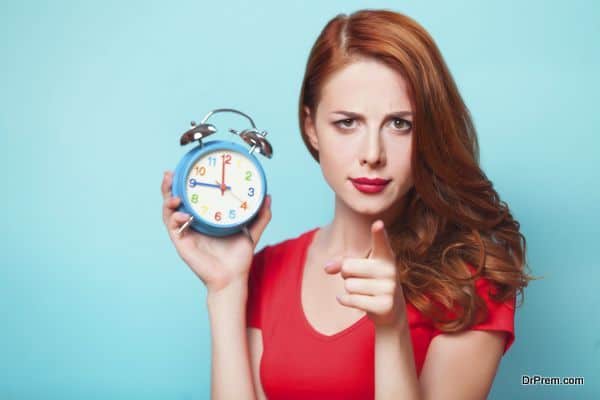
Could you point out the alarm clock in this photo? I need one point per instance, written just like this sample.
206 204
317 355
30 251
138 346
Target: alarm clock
221 184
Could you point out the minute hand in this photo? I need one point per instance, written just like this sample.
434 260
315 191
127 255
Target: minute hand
194 183
223 176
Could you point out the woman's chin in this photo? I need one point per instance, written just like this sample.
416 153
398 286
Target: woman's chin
370 207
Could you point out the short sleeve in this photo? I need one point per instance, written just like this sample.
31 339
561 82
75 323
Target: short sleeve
254 304
500 316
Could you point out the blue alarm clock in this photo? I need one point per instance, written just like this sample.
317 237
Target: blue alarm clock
221 184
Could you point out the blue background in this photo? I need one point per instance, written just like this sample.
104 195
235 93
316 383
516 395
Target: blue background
94 301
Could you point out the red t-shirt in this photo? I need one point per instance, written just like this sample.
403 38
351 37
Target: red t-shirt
298 362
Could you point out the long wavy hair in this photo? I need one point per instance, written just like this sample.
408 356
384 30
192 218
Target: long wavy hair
454 228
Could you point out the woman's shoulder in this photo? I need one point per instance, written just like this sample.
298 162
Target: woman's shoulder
286 246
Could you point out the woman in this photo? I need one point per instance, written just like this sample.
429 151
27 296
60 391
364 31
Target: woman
410 291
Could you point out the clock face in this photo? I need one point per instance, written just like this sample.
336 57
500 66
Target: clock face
224 187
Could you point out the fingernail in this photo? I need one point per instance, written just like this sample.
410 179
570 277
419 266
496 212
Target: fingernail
329 264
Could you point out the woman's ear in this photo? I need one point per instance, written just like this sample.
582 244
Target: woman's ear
309 129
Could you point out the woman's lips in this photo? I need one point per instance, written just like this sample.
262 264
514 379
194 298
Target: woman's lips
365 185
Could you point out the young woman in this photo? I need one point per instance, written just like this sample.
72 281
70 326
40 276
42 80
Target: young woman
409 292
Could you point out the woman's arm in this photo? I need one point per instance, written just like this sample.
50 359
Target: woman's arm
395 371
231 375
462 365
223 264
457 366
256 350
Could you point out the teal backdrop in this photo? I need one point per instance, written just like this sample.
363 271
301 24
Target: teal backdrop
95 302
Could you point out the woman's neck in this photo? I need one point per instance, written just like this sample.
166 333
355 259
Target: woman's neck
349 233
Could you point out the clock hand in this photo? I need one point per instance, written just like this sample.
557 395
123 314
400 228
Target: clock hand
222 176
194 183
233 194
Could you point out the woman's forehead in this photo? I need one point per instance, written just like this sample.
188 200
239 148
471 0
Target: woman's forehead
364 85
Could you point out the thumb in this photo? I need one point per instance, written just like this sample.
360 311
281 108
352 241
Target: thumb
334 265
257 227
380 242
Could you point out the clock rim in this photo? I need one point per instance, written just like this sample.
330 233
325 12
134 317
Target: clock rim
183 170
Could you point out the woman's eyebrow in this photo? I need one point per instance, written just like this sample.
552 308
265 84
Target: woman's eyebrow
350 114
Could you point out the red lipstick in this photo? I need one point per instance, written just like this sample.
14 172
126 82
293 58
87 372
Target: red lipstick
370 185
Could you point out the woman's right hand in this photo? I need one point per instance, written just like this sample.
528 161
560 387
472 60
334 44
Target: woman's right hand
217 261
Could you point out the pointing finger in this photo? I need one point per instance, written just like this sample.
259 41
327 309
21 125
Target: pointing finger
380 242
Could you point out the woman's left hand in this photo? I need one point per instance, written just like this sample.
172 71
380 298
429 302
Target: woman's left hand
372 283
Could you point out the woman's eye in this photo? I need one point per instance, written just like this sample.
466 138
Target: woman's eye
345 123
402 124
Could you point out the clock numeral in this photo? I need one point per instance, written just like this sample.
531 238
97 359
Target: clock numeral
248 175
251 192
204 210
244 206
212 161
199 170
194 198
218 216
231 214
226 158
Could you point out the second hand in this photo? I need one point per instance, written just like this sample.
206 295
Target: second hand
228 189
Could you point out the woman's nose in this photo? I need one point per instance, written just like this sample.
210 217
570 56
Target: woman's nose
373 150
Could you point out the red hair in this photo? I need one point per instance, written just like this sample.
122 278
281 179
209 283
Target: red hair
454 228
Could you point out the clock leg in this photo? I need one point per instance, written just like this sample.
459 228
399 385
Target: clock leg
185 225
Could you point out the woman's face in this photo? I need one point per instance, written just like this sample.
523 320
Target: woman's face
362 128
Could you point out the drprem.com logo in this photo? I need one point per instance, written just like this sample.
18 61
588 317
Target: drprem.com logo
551 380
